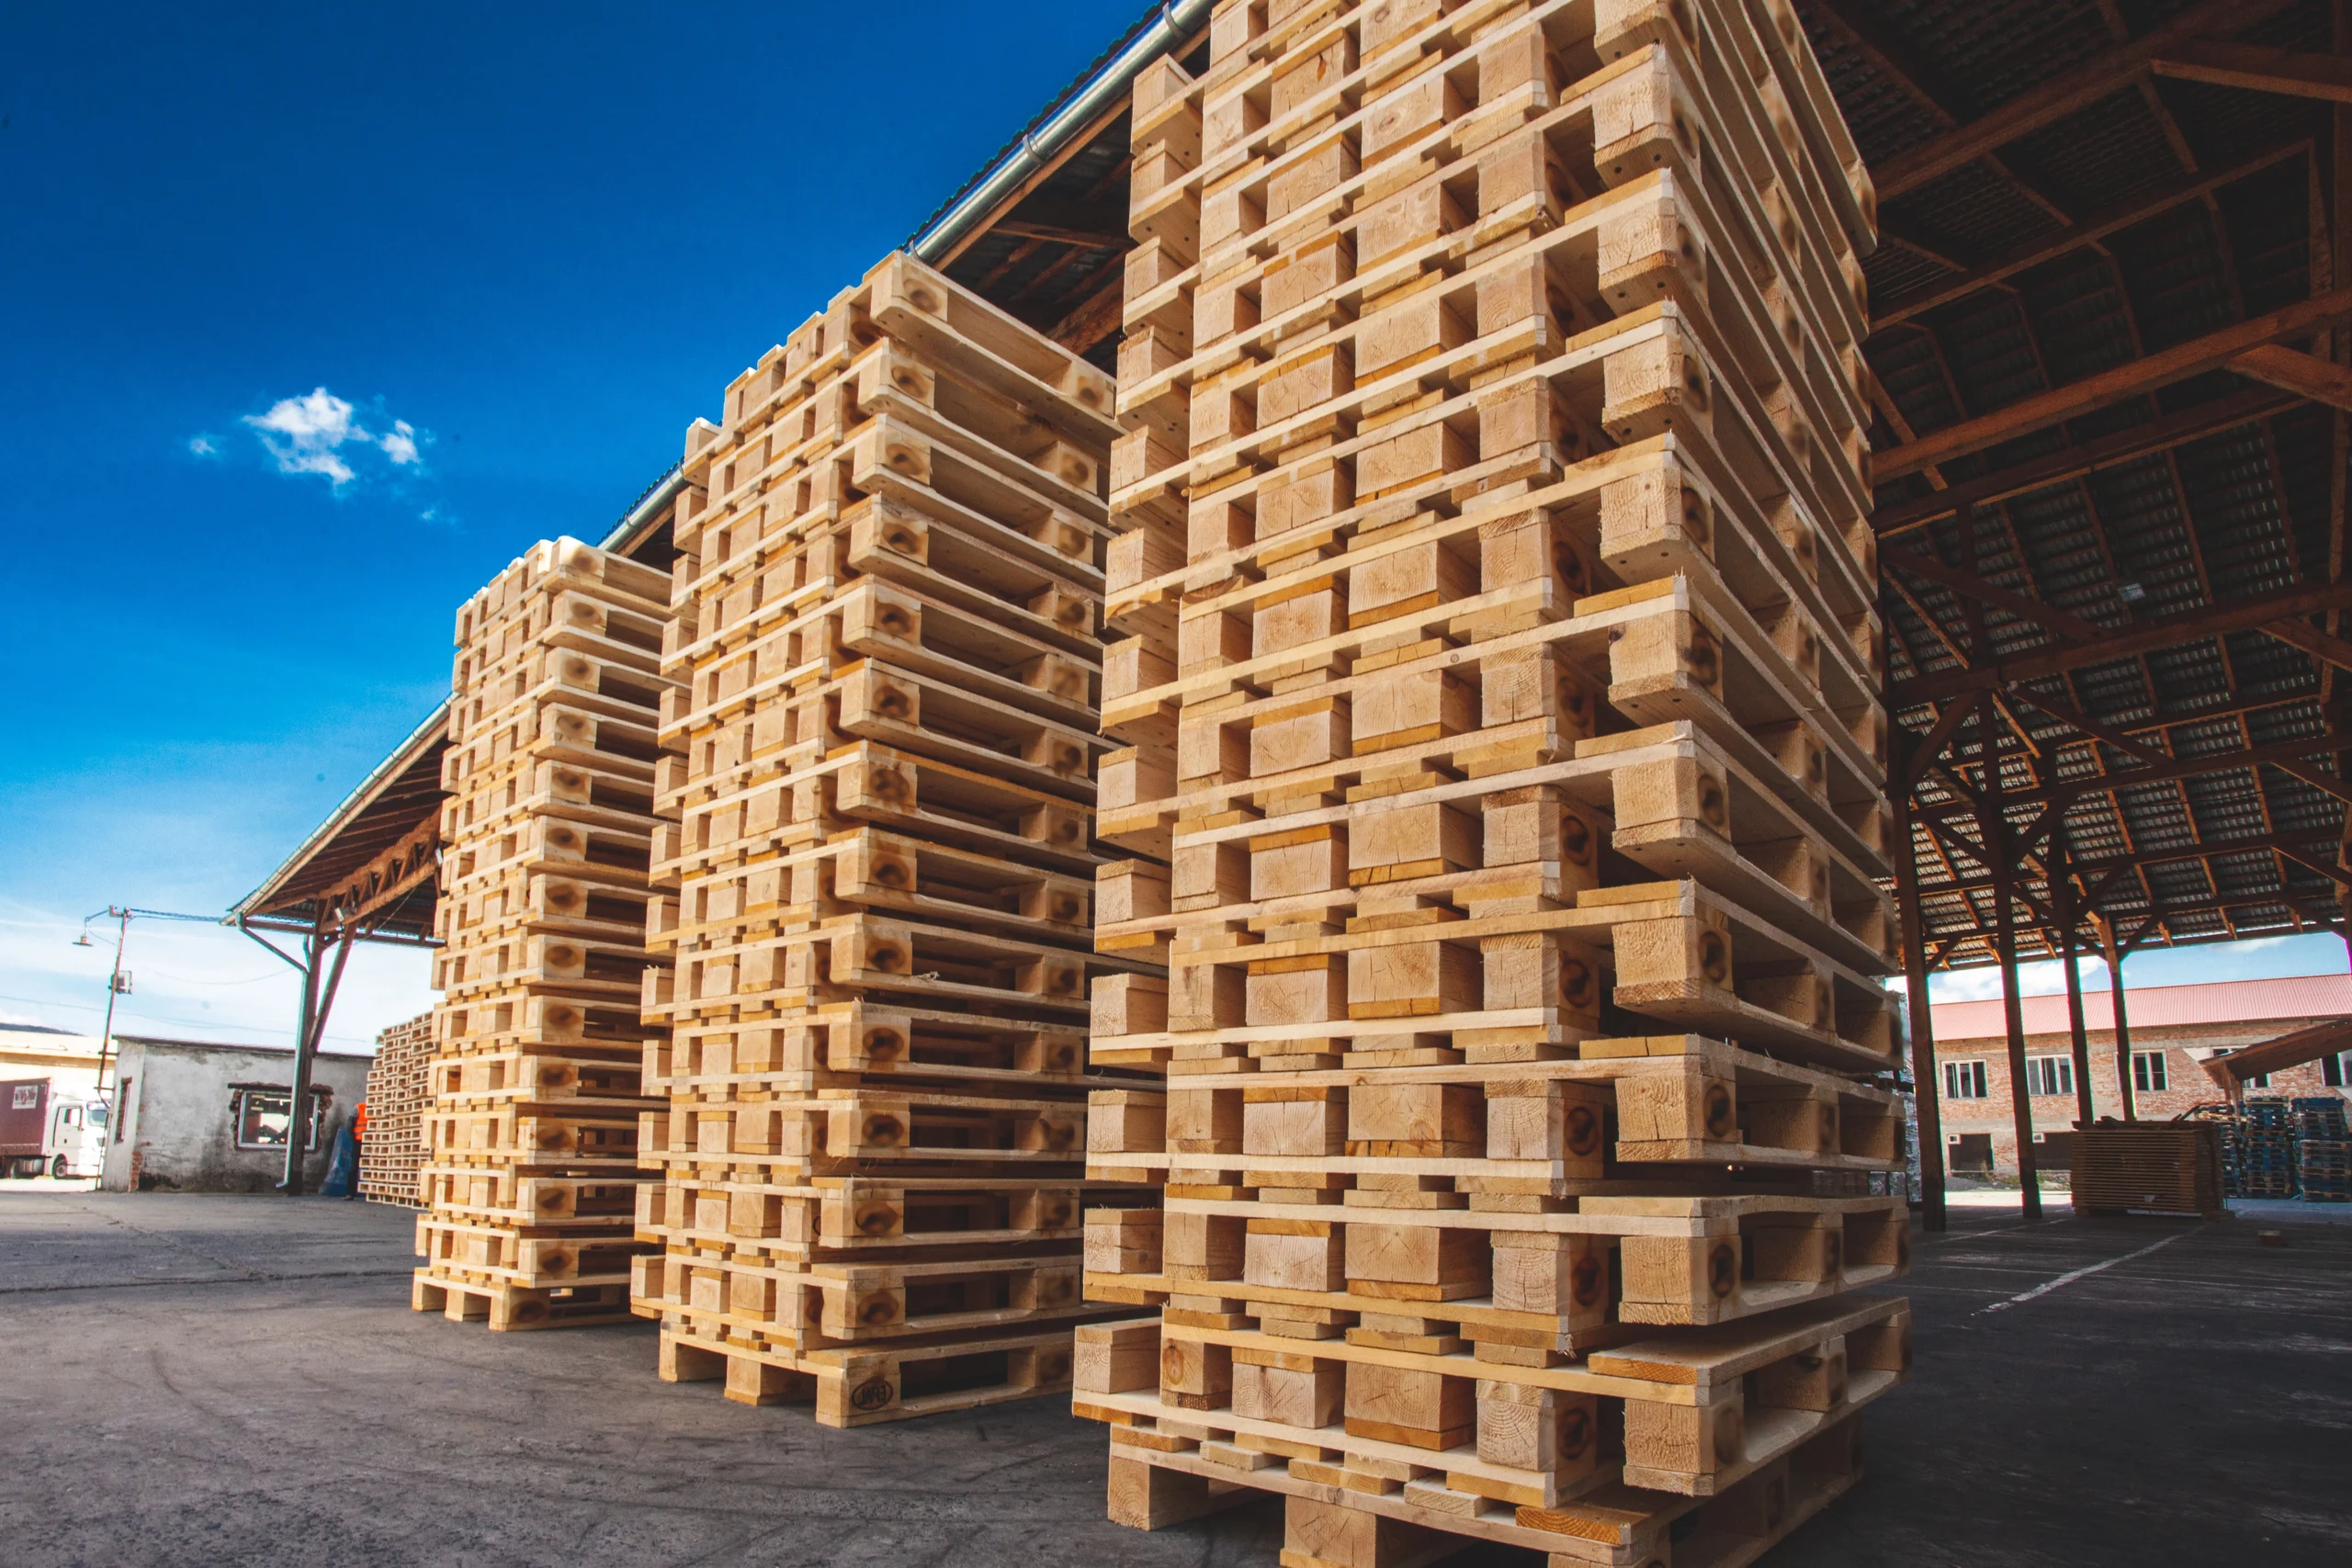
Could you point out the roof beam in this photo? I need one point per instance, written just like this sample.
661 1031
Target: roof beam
2033 253
2064 622
1931 746
2130 380
2075 718
2251 613
2290 370
1869 38
1094 319
2110 72
2123 446
2280 754
2326 784
2169 912
1084 238
2260 843
2307 639
2256 69
2109 868
2233 1071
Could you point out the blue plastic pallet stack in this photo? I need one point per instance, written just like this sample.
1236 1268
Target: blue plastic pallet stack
2323 1151
2258 1149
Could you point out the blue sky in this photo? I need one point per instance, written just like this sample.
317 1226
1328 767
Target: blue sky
315 316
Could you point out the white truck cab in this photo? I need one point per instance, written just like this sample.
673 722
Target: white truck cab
43 1133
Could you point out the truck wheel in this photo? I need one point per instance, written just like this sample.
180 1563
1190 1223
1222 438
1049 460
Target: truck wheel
57 1167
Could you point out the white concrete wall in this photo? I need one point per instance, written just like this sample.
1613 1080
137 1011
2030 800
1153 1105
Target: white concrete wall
175 1129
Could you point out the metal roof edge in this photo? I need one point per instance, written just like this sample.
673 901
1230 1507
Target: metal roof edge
370 787
1065 118
638 520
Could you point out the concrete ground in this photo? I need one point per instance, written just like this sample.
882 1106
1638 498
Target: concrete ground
197 1381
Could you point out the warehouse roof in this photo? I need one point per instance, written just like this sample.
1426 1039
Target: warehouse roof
2070 192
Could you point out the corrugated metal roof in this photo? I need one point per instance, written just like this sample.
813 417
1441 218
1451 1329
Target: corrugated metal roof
2242 512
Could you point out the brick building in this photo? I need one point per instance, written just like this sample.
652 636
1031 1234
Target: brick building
2174 1029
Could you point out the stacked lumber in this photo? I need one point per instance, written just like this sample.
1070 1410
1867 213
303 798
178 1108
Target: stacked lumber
879 769
530 1175
1500 687
394 1150
2165 1168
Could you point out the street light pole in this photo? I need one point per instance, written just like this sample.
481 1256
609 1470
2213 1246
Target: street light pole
122 917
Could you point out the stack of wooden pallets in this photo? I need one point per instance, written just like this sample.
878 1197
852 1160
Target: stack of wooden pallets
530 1172
877 888
1503 697
398 1089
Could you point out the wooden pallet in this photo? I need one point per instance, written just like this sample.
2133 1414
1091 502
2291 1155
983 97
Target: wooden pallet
1330 1526
865 1386
1695 1415
1521 1286
507 1307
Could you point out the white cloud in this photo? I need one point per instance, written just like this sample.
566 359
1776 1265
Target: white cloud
309 434
203 446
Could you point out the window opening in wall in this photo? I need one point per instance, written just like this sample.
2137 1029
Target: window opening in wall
2148 1071
261 1116
2048 1075
1972 1153
1964 1080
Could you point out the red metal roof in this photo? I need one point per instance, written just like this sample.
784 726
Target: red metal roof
2158 1006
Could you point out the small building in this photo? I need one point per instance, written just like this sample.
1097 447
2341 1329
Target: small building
193 1116
2173 1030
68 1061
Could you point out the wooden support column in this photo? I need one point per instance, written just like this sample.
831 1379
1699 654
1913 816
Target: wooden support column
1993 832
1993 843
2123 1024
2062 894
1927 1086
